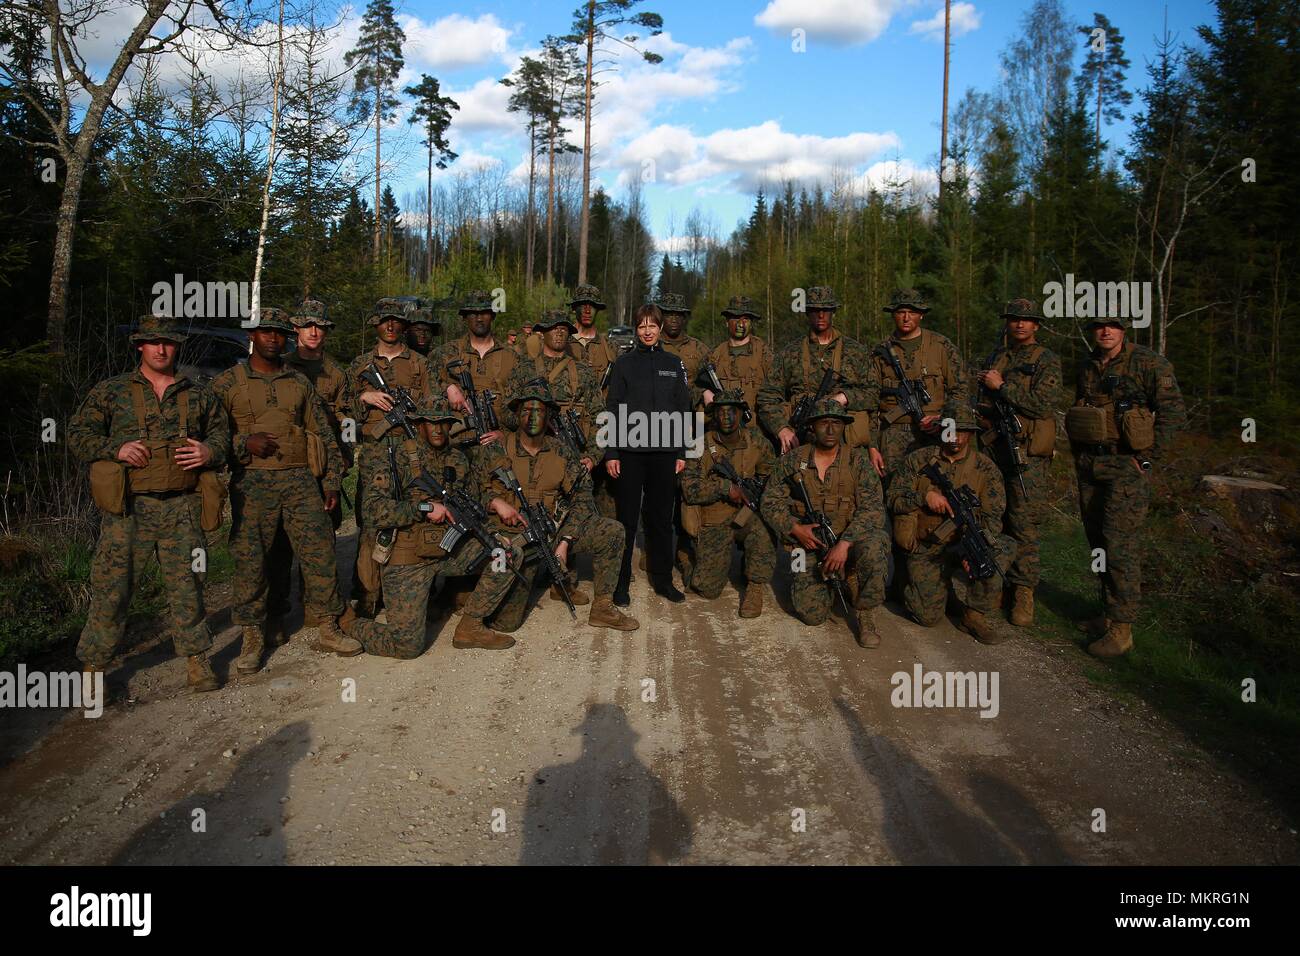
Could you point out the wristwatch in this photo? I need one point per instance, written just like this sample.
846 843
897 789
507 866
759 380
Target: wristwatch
1144 463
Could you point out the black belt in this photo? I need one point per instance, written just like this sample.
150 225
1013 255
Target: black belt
161 495
1099 449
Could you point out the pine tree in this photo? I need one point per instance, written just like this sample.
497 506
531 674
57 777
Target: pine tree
432 112
1103 70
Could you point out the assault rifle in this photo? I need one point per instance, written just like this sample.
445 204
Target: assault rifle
623 339
403 404
1007 426
825 536
804 407
912 394
751 489
468 517
540 531
711 373
973 545
481 417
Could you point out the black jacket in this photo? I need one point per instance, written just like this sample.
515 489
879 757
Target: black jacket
648 380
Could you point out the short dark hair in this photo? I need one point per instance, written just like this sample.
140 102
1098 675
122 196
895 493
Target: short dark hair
648 311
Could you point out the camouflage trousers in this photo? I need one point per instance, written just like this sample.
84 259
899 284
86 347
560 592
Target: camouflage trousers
1023 518
865 573
163 528
365 572
713 554
930 568
600 537
1113 500
603 492
406 599
260 501
279 567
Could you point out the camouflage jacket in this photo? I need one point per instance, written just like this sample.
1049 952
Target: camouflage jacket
853 518
908 486
1147 373
420 383
382 509
693 354
596 353
935 361
573 385
790 380
1031 379
701 485
569 491
491 370
107 419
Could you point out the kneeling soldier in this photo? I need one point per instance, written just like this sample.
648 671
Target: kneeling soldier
558 483
924 533
395 501
715 511
842 487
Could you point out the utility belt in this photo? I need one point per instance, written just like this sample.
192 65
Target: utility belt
161 495
1098 449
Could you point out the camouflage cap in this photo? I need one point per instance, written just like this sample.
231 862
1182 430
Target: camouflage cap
514 332
672 302
440 411
907 299
272 318
534 388
740 305
1123 323
730 396
422 317
1022 309
586 293
476 300
157 328
829 408
553 317
963 416
389 309
821 297
310 312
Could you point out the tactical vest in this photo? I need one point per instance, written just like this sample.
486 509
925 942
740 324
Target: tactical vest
253 410
1039 433
964 472
690 350
162 473
408 370
858 432
744 459
565 364
744 372
596 354
928 362
837 497
541 476
1097 397
419 542
491 371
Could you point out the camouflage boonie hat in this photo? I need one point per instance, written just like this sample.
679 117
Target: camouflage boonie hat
389 309
1104 320
422 317
586 293
157 328
672 302
730 396
829 408
821 297
272 318
963 417
1022 309
551 318
740 305
907 299
310 312
440 411
477 300
534 388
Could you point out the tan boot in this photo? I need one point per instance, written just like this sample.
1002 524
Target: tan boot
604 614
330 640
1117 641
472 632
576 595
199 675
249 660
751 605
1096 626
868 634
1022 610
980 627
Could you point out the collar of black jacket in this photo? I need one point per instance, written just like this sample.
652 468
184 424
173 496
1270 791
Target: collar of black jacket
641 346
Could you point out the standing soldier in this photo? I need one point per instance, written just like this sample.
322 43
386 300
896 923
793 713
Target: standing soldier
421 330
417 557
488 361
1127 407
398 364
842 486
923 533
926 359
688 348
714 509
281 444
1022 378
152 437
558 483
744 361
598 353
799 368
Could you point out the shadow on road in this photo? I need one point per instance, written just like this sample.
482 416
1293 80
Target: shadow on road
606 807
243 822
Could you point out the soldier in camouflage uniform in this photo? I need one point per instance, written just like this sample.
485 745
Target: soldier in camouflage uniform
399 365
688 348
559 483
743 361
926 357
331 383
841 484
417 557
1127 409
163 429
275 418
923 533
1026 376
490 362
423 327
597 352
799 368
713 509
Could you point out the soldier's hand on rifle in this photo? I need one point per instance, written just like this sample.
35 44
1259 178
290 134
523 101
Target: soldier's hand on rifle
457 398
991 379
262 445
708 396
929 423
734 495
877 461
836 558
331 500
134 453
588 463
193 454
488 438
803 533
937 503
377 399
438 514
788 439
681 464
562 553
508 513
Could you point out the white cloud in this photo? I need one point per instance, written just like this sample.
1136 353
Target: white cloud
896 174
454 42
483 107
965 18
837 22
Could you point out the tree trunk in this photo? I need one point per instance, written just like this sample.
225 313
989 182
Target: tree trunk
379 95
943 136
586 149
550 206
428 231
270 170
529 225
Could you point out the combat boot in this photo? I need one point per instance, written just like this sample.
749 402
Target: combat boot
472 632
330 640
980 627
199 675
868 634
604 614
1117 641
249 660
576 595
1096 626
751 605
277 631
1022 610
367 605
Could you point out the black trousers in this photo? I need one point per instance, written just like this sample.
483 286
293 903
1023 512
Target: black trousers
646 490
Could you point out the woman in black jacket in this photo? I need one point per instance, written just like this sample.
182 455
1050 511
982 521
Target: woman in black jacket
645 461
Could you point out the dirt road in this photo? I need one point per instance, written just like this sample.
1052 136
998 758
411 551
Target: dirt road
700 738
